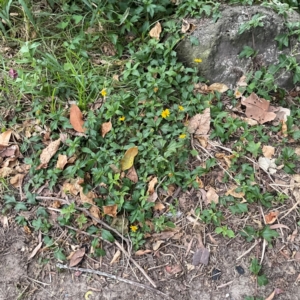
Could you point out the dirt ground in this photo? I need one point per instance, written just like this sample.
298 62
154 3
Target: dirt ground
170 267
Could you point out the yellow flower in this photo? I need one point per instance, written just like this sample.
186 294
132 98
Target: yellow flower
182 136
155 89
103 92
134 228
165 113
198 60
122 118
180 107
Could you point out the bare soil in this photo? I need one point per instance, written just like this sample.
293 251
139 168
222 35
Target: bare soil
170 267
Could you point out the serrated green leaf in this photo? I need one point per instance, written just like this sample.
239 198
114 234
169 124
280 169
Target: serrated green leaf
268 234
262 280
20 206
58 254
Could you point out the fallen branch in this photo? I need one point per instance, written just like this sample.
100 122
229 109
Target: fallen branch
100 273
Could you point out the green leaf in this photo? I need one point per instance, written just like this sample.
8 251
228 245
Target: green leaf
262 280
77 18
255 266
230 233
194 41
170 224
253 147
219 230
268 234
9 199
106 235
20 206
58 254
194 152
246 52
283 40
41 211
48 241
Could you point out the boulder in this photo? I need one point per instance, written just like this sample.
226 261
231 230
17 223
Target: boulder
220 45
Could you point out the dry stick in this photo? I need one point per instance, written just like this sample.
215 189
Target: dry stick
143 286
291 209
248 250
110 228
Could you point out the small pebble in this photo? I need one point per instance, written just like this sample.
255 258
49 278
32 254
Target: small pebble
240 270
215 274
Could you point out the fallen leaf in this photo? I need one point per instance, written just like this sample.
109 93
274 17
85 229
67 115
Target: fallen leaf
5 172
105 128
291 238
128 158
56 204
267 164
212 196
268 151
4 221
142 252
86 198
76 118
271 217
110 210
235 194
284 128
116 257
277 226
199 182
4 138
200 123
17 180
297 256
48 153
151 185
201 256
95 212
159 206
156 245
275 292
218 87
185 26
61 161
77 257
155 31
164 235
171 189
132 175
258 109
174 269
153 197
35 250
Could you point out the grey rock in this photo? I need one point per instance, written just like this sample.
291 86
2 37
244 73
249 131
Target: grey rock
220 45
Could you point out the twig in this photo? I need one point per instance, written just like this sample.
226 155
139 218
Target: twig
115 242
100 273
248 250
291 209
135 263
225 284
37 281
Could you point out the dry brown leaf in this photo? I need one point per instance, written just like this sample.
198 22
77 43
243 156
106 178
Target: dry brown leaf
284 129
258 109
5 172
275 292
56 204
268 151
218 87
48 153
105 128
212 196
116 257
142 252
86 198
17 180
291 238
153 197
271 217
76 118
163 235
110 210
95 212
277 226
203 139
62 160
77 257
185 26
10 151
132 175
159 206
235 194
156 245
171 189
35 250
199 182
200 123
155 31
174 269
4 138
4 221
151 185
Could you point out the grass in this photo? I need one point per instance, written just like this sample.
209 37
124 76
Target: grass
102 58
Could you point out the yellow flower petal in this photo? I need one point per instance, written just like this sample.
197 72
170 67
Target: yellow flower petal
198 60
122 118
181 108
182 136
103 92
134 228
165 113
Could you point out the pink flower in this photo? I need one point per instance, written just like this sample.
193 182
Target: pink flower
13 73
